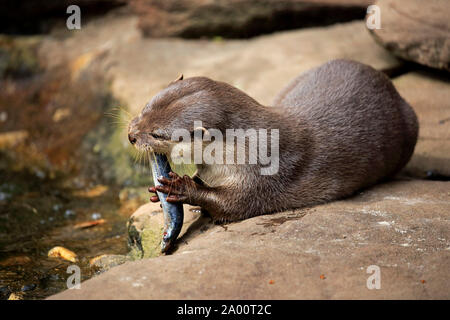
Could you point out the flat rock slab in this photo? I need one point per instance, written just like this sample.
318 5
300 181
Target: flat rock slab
261 67
146 225
429 95
240 18
403 227
140 67
416 30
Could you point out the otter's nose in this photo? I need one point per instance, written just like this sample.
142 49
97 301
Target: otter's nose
132 138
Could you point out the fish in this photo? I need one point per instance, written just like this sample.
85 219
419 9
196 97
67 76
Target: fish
173 212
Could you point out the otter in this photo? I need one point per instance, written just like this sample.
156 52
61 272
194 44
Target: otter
342 127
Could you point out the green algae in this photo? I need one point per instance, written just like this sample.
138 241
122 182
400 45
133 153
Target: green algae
145 243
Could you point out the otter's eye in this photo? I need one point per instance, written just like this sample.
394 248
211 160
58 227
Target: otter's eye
156 136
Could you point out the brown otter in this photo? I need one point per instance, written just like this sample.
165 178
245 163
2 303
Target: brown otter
342 127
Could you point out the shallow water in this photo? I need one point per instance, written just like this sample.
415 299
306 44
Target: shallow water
65 159
37 214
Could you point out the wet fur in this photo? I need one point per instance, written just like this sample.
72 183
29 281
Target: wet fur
343 127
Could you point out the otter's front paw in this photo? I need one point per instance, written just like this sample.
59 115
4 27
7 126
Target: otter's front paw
178 189
154 198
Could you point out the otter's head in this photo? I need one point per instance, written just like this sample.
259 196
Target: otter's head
177 107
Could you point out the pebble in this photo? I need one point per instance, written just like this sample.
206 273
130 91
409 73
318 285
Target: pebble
4 291
4 196
96 216
39 173
61 252
69 213
28 287
3 116
15 296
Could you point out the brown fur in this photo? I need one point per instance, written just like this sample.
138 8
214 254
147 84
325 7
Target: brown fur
342 126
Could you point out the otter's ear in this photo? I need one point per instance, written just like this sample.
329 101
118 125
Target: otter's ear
204 132
180 77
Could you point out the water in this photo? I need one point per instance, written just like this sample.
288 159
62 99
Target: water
37 214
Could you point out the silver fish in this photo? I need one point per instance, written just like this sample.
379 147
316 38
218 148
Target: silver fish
173 212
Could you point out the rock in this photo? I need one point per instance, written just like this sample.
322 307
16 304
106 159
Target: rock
429 95
29 84
41 17
319 253
137 76
146 226
16 296
12 138
240 18
18 57
4 292
107 261
62 253
416 30
145 231
28 287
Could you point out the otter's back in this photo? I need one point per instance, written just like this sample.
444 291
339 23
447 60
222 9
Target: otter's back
363 130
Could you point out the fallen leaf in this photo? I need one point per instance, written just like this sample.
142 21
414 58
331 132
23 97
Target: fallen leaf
96 191
322 277
89 224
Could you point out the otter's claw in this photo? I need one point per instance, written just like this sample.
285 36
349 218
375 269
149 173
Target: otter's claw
178 189
154 198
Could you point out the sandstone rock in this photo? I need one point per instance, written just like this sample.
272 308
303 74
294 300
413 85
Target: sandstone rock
240 18
322 252
18 57
146 226
107 261
145 231
416 30
140 67
28 86
41 16
261 67
429 95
